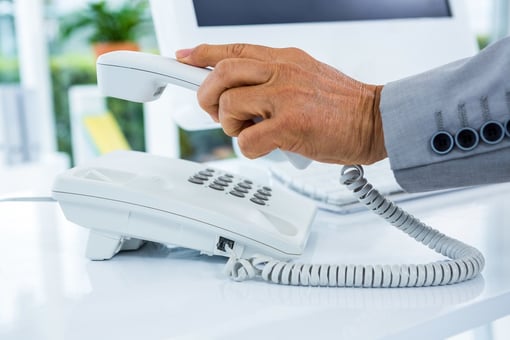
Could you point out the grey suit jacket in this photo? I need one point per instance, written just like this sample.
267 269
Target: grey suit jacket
442 128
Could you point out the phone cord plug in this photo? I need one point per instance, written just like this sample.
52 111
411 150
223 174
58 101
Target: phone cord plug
465 262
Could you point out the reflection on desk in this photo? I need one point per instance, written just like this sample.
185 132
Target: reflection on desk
51 291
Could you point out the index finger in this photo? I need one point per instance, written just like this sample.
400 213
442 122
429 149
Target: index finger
209 55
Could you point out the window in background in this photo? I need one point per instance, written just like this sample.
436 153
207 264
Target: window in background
73 59
481 15
8 51
11 140
501 19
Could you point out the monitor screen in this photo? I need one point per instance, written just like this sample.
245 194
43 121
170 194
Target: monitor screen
259 12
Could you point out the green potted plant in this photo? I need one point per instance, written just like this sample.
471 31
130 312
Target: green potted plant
110 28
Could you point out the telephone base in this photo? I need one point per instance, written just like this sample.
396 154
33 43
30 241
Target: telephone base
127 196
103 246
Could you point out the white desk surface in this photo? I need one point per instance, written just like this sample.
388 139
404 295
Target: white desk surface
49 290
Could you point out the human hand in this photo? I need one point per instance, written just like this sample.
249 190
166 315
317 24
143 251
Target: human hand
303 105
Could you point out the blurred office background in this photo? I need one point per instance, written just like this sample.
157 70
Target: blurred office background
50 111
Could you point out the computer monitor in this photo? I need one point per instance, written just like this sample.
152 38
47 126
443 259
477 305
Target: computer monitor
372 41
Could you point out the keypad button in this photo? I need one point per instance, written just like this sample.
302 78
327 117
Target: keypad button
261 197
201 177
267 188
244 185
220 182
239 189
205 173
257 201
264 192
195 180
225 179
216 187
237 193
247 181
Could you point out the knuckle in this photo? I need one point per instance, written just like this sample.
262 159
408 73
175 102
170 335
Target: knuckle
230 126
228 131
224 70
294 51
202 97
207 102
236 50
200 50
226 101
222 67
231 131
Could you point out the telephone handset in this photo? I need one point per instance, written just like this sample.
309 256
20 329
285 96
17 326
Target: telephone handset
142 77
126 197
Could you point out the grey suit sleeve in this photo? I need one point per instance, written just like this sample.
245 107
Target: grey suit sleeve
460 96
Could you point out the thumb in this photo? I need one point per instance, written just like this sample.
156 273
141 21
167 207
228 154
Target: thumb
209 55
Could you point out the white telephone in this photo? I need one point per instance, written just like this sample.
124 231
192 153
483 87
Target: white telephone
126 197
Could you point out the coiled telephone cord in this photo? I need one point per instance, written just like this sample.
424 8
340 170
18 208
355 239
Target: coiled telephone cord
465 261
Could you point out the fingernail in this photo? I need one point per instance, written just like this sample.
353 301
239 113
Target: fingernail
182 54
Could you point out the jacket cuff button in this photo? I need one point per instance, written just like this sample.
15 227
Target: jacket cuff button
441 142
492 132
467 139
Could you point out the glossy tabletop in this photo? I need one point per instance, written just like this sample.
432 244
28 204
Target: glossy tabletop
49 290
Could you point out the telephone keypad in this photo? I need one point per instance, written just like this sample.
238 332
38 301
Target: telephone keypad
223 181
